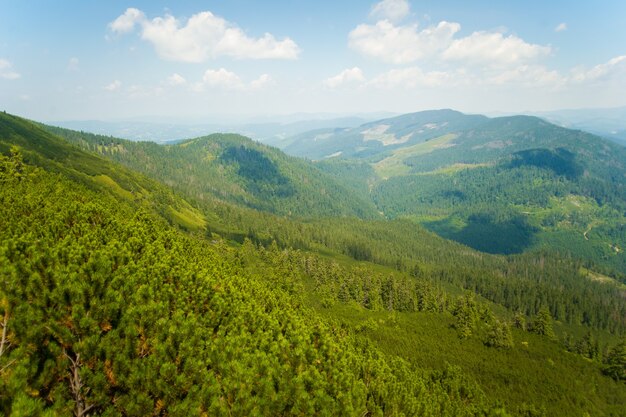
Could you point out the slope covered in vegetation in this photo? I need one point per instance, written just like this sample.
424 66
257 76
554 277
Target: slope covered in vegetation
234 169
108 306
503 185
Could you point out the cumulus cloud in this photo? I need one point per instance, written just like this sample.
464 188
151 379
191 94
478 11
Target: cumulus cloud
614 68
203 36
113 86
407 43
393 10
561 27
6 70
347 76
222 78
126 22
401 44
176 80
493 48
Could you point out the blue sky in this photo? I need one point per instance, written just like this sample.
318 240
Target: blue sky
106 60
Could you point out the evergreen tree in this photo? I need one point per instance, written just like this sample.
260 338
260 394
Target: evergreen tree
499 335
542 324
615 362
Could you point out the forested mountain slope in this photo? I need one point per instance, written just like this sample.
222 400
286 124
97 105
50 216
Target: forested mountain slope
503 185
109 308
111 312
235 169
43 149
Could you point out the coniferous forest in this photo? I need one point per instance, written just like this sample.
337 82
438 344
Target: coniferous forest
218 276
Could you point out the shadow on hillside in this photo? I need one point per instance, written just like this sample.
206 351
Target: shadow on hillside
486 233
560 161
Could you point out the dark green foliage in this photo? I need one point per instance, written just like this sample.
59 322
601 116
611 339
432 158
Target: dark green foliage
262 175
490 231
560 161
466 315
615 362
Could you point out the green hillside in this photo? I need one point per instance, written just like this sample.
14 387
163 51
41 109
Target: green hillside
234 169
48 151
110 307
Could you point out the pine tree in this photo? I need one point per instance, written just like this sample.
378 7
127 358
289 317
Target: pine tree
615 362
542 324
499 335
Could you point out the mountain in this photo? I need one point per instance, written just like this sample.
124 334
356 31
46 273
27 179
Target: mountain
234 169
109 306
501 185
380 137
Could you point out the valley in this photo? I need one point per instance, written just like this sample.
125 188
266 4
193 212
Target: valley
528 182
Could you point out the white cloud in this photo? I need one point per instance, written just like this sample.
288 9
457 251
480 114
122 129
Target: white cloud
401 44
492 48
6 70
126 22
72 64
413 77
113 86
522 76
347 76
614 68
393 10
202 37
222 78
261 82
561 27
176 80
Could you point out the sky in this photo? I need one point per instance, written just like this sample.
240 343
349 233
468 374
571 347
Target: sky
206 60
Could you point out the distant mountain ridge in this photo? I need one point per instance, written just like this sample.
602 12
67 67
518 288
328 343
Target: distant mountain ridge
381 136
